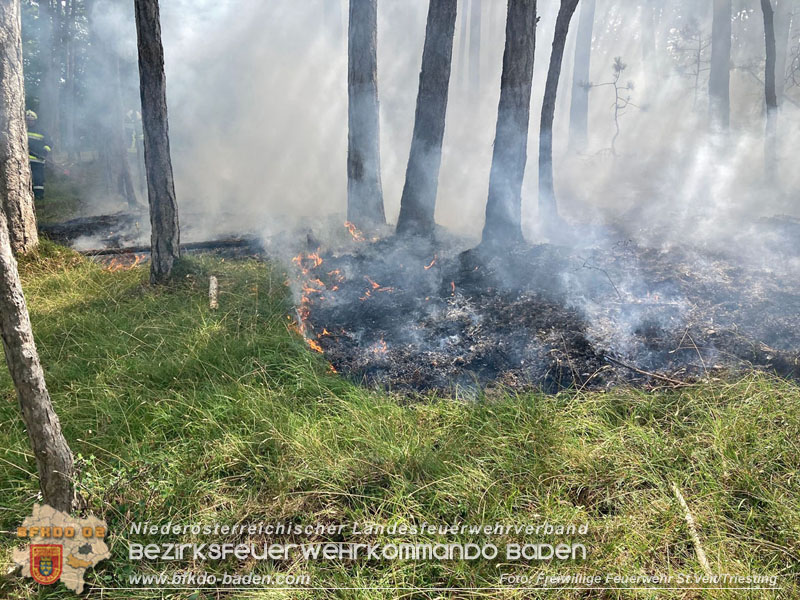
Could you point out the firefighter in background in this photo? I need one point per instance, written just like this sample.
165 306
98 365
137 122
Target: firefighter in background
38 149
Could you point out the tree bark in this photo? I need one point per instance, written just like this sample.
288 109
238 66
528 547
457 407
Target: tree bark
475 49
418 202
504 207
579 105
548 208
720 78
364 189
16 188
165 233
770 136
53 456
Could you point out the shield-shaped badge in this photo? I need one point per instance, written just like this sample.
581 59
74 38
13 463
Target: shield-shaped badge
46 563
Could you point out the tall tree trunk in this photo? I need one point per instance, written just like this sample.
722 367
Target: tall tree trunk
475 49
53 456
165 233
720 78
548 208
16 188
504 207
418 202
463 58
364 189
783 25
579 104
770 135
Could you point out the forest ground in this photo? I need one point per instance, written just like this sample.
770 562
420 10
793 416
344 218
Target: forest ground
181 413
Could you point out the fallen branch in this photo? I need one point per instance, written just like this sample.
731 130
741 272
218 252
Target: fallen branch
674 382
692 526
208 245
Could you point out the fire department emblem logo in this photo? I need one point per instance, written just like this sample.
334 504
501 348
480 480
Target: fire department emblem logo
46 563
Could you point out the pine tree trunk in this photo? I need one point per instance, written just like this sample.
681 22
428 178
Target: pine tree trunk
548 208
770 150
16 188
418 202
364 189
475 49
504 207
165 234
720 78
579 105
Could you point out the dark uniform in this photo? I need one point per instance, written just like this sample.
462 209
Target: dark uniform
38 149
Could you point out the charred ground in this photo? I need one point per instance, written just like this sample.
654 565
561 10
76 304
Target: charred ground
421 315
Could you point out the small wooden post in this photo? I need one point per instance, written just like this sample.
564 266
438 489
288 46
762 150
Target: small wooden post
213 292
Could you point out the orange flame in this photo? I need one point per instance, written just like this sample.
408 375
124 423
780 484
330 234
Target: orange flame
357 235
433 262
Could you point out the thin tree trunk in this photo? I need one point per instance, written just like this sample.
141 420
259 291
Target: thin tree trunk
475 48
770 151
720 78
548 208
579 104
364 189
16 188
504 207
53 456
418 202
165 233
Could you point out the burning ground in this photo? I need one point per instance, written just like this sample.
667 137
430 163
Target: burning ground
417 315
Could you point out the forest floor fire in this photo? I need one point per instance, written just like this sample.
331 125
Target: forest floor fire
417 316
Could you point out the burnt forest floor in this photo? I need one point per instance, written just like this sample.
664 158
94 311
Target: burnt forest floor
417 315
181 413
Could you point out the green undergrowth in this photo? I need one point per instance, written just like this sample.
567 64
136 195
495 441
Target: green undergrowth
185 414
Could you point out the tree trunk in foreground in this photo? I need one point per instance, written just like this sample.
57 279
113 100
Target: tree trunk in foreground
16 189
548 208
770 136
53 456
504 207
418 202
165 235
719 82
579 104
364 189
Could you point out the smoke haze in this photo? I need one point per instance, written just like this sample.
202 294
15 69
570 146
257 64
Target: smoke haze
257 93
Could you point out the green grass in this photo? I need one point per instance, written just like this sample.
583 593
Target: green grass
179 413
